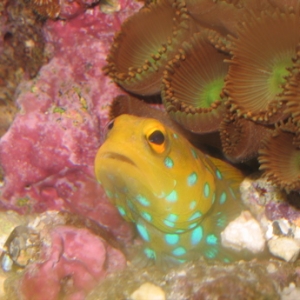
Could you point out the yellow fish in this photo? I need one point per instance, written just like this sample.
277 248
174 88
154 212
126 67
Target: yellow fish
179 198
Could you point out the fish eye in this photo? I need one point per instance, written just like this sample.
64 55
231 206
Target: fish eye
105 131
110 124
157 140
156 137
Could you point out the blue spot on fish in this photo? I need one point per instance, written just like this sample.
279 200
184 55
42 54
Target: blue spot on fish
108 193
211 239
218 173
172 217
147 216
172 197
193 204
213 199
143 232
194 153
193 225
169 224
143 200
130 205
196 236
222 221
206 190
223 198
211 253
172 239
169 162
232 193
121 210
195 215
150 253
175 135
179 251
192 179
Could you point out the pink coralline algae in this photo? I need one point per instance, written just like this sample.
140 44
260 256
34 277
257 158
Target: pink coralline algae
47 155
71 266
275 211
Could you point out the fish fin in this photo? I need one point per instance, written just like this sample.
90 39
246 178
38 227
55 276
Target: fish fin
230 173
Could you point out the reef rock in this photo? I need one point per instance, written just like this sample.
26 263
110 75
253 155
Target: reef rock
278 218
56 255
244 233
201 280
71 265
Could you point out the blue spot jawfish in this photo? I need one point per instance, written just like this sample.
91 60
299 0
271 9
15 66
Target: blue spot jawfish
179 198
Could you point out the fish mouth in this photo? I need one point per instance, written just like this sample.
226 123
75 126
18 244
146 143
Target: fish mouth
119 157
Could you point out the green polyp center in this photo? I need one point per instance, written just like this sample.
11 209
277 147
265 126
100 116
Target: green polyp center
295 165
210 93
277 76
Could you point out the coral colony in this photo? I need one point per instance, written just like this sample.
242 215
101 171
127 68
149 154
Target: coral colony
227 66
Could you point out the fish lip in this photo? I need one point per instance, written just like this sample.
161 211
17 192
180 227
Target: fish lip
119 157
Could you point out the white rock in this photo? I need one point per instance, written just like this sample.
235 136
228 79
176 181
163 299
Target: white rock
285 248
148 291
285 228
290 293
269 232
271 268
297 233
244 233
